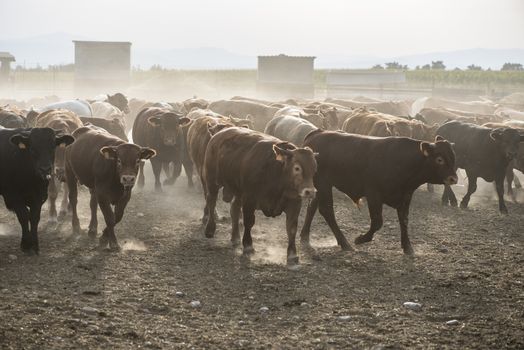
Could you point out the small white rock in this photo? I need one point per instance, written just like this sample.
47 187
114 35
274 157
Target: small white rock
452 323
90 310
304 304
180 294
140 215
195 304
344 318
264 309
412 306
12 257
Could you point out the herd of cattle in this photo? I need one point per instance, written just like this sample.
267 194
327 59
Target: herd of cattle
264 155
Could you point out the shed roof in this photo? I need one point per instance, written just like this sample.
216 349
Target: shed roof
6 56
286 56
102 42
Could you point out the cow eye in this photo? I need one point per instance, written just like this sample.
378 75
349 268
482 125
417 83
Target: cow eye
439 160
296 169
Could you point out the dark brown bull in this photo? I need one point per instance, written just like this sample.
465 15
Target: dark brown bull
108 166
162 130
384 170
261 172
65 122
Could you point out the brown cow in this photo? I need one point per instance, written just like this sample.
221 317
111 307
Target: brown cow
384 170
108 166
162 130
65 122
261 172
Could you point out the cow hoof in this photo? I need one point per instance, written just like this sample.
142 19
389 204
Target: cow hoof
444 203
248 251
62 215
504 210
409 251
169 182
102 242
463 205
362 239
235 242
114 247
454 204
345 246
292 261
91 233
210 229
52 221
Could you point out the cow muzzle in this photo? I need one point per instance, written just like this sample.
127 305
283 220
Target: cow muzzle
128 180
451 180
308 192
45 173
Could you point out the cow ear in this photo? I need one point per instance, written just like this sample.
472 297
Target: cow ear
281 154
496 134
146 153
109 152
64 140
439 138
154 121
20 140
115 121
426 148
184 121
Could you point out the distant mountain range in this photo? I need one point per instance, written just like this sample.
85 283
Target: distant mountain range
57 48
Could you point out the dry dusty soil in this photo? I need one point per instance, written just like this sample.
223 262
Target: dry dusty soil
469 267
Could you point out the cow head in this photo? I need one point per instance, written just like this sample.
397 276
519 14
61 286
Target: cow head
116 127
119 101
330 118
507 140
170 126
317 119
299 168
244 123
127 158
440 159
40 145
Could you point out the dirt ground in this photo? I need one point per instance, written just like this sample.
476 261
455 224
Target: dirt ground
469 267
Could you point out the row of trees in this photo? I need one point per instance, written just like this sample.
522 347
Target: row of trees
439 65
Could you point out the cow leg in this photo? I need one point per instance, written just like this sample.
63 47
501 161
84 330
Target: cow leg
108 235
448 196
235 216
73 199
292 213
141 178
517 181
403 213
472 187
211 201
121 206
248 212
170 179
65 203
157 169
52 192
188 169
510 176
93 223
22 214
499 185
306 228
375 213
325 208
34 218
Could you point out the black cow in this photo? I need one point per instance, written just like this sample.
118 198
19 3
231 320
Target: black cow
163 130
481 152
385 170
26 158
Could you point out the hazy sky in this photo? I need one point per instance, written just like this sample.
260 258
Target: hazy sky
367 27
